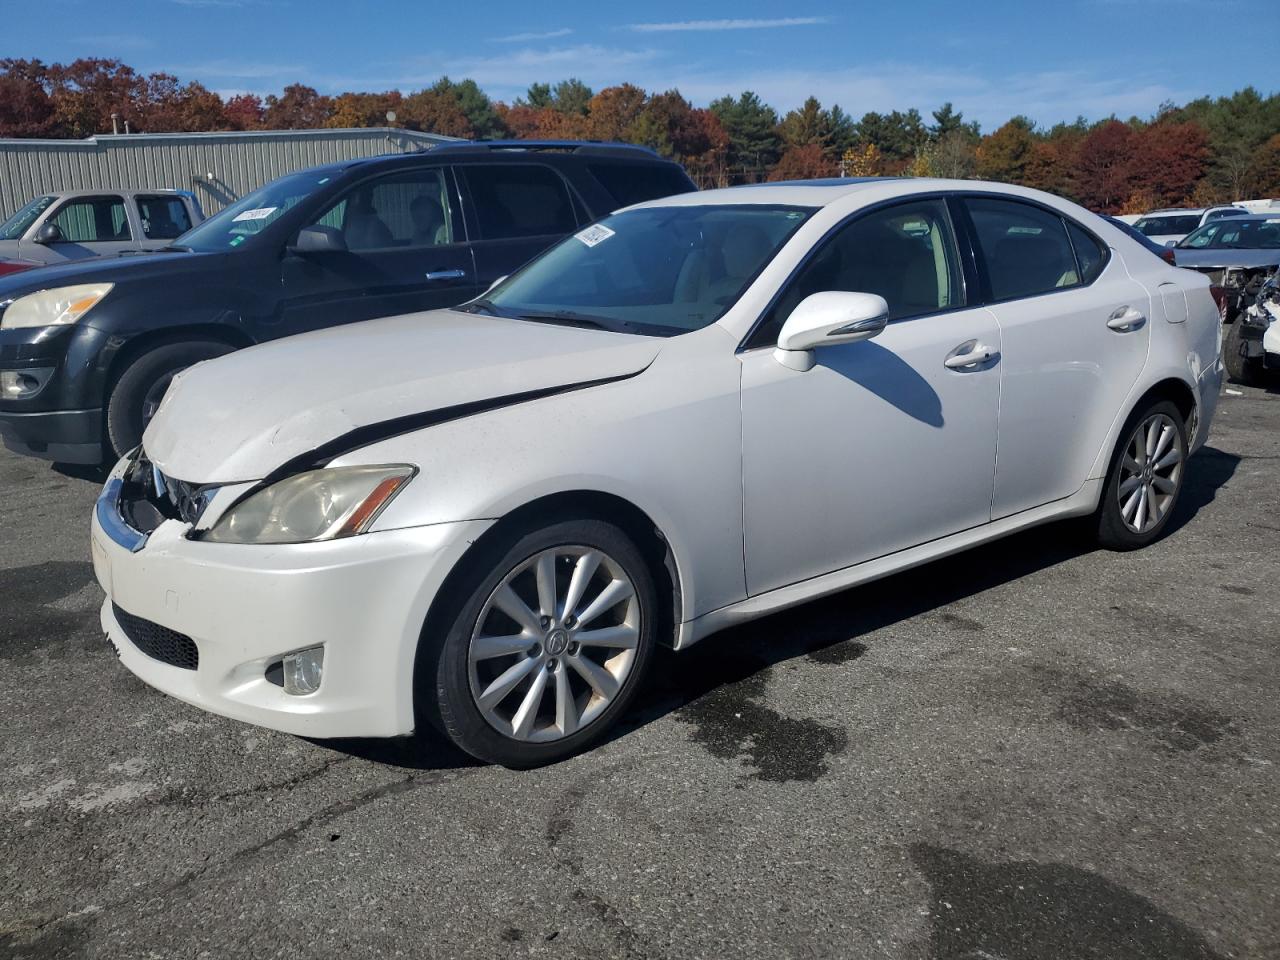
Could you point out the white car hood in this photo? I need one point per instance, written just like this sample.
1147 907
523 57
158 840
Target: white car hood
240 417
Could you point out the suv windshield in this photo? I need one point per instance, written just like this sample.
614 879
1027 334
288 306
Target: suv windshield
252 214
1235 234
1163 226
16 226
658 270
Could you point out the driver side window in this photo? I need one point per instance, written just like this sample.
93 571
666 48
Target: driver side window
906 253
403 210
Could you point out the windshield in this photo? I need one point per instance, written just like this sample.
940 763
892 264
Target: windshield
16 226
1235 234
252 214
1163 226
660 270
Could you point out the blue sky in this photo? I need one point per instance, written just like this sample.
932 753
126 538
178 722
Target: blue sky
1048 60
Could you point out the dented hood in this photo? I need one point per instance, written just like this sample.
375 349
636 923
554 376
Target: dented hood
243 416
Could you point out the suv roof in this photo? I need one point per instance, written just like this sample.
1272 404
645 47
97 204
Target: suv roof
599 148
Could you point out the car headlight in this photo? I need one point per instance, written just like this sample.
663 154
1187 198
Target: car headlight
317 505
50 308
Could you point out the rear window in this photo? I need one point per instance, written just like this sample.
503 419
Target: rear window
520 201
1163 226
1025 248
1090 253
630 183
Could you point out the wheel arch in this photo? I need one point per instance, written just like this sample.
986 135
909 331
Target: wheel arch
142 343
1172 388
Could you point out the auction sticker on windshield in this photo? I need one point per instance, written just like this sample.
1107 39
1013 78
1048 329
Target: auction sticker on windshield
261 213
597 233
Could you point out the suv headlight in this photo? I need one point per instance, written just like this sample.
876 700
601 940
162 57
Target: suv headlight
50 308
317 505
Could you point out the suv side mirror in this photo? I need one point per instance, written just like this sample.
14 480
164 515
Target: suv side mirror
319 239
49 233
825 319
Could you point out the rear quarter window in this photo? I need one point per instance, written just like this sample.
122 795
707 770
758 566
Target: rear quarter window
514 200
630 183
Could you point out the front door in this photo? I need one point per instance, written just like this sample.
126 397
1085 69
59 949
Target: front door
1074 330
91 227
405 252
884 444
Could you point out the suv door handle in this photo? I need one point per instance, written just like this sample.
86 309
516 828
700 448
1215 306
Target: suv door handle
446 274
1125 319
969 355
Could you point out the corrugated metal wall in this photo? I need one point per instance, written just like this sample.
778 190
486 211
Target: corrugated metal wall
218 167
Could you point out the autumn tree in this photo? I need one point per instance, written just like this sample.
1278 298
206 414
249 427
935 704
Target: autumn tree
244 112
364 109
806 162
86 92
474 104
1263 176
614 110
1104 170
26 109
435 112
1169 160
1004 154
862 161
298 107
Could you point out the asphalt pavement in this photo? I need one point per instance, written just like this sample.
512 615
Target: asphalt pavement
1031 751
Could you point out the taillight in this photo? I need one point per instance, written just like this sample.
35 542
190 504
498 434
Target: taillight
1167 256
14 266
1220 298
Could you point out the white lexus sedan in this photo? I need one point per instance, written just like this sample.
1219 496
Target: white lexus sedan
697 411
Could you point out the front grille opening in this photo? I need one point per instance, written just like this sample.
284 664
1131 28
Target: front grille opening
157 642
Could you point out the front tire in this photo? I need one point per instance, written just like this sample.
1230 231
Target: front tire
548 645
139 389
1145 479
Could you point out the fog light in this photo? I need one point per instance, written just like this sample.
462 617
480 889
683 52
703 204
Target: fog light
303 670
21 383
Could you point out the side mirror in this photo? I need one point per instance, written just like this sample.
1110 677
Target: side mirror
824 319
49 233
319 239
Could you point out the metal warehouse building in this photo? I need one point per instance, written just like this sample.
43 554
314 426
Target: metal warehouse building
218 167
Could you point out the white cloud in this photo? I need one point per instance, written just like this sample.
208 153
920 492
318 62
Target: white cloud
680 26
528 37
509 75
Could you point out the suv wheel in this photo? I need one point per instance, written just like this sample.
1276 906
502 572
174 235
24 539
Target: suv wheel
1241 369
140 388
548 645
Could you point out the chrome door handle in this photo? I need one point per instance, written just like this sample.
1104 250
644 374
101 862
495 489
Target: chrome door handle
969 355
1125 319
446 274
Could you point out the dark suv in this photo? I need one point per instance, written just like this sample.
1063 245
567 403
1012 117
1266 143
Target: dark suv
88 349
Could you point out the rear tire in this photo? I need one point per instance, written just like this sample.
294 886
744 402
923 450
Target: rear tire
1241 369
542 685
139 389
1145 479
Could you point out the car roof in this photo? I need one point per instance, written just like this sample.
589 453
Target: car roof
821 193
107 190
1178 211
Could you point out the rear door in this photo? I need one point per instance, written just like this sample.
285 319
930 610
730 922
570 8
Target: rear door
515 211
92 226
162 218
406 252
1074 333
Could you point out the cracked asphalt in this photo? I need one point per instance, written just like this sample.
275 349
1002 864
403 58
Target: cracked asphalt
1029 752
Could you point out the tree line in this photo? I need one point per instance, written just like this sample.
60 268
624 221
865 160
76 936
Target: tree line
1209 150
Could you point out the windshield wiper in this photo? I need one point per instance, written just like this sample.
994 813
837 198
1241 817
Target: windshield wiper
481 305
572 319
174 248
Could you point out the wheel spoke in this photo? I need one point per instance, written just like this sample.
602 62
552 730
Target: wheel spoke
602 681
506 682
622 637
1131 465
546 575
1164 442
1140 518
1163 484
1130 506
522 722
1153 437
1170 459
1154 510
1129 486
583 571
486 648
609 597
566 707
510 603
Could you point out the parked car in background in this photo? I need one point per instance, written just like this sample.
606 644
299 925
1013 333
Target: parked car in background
77 224
1237 255
1251 347
697 411
1164 253
87 350
1170 226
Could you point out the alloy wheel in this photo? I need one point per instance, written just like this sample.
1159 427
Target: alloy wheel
1150 473
554 643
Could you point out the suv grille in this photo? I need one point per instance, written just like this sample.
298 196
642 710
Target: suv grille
157 642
